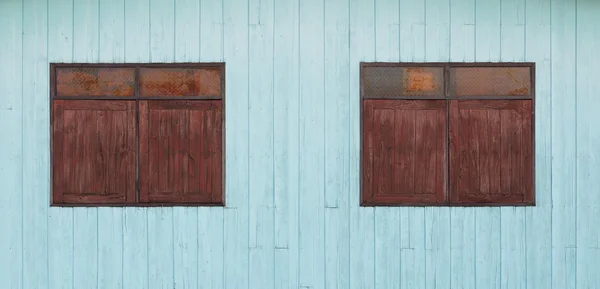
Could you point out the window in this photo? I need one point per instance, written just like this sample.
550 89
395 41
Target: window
454 134
137 134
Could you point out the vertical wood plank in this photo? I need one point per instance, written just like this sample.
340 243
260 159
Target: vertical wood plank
462 220
60 238
538 218
160 220
36 189
588 141
564 133
438 225
187 25
261 220
312 141
186 220
412 30
11 155
487 220
110 220
513 246
337 103
210 251
387 220
211 29
235 45
210 229
286 142
135 220
488 30
462 31
85 220
412 48
361 219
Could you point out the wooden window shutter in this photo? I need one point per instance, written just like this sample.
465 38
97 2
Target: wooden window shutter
181 151
456 134
93 152
404 152
491 148
137 134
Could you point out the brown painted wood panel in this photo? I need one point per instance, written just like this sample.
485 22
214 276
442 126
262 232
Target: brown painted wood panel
183 82
404 152
490 81
491 149
93 152
389 82
95 81
181 151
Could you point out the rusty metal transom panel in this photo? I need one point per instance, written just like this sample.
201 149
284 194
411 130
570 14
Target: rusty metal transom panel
391 82
137 81
180 82
447 134
490 81
95 81
386 80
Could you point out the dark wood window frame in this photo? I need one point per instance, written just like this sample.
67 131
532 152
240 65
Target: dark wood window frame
131 96
451 195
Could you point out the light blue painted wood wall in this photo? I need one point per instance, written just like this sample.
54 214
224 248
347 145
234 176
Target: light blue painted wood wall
292 218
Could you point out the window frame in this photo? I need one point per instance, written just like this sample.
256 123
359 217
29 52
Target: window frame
136 98
365 197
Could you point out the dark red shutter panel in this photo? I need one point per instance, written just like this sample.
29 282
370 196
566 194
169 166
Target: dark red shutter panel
93 152
404 151
181 153
491 151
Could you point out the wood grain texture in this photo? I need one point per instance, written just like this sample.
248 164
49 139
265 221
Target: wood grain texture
404 147
491 151
94 151
181 151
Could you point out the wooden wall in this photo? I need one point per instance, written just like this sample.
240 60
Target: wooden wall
292 218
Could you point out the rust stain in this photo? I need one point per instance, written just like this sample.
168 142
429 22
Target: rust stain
419 80
519 91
